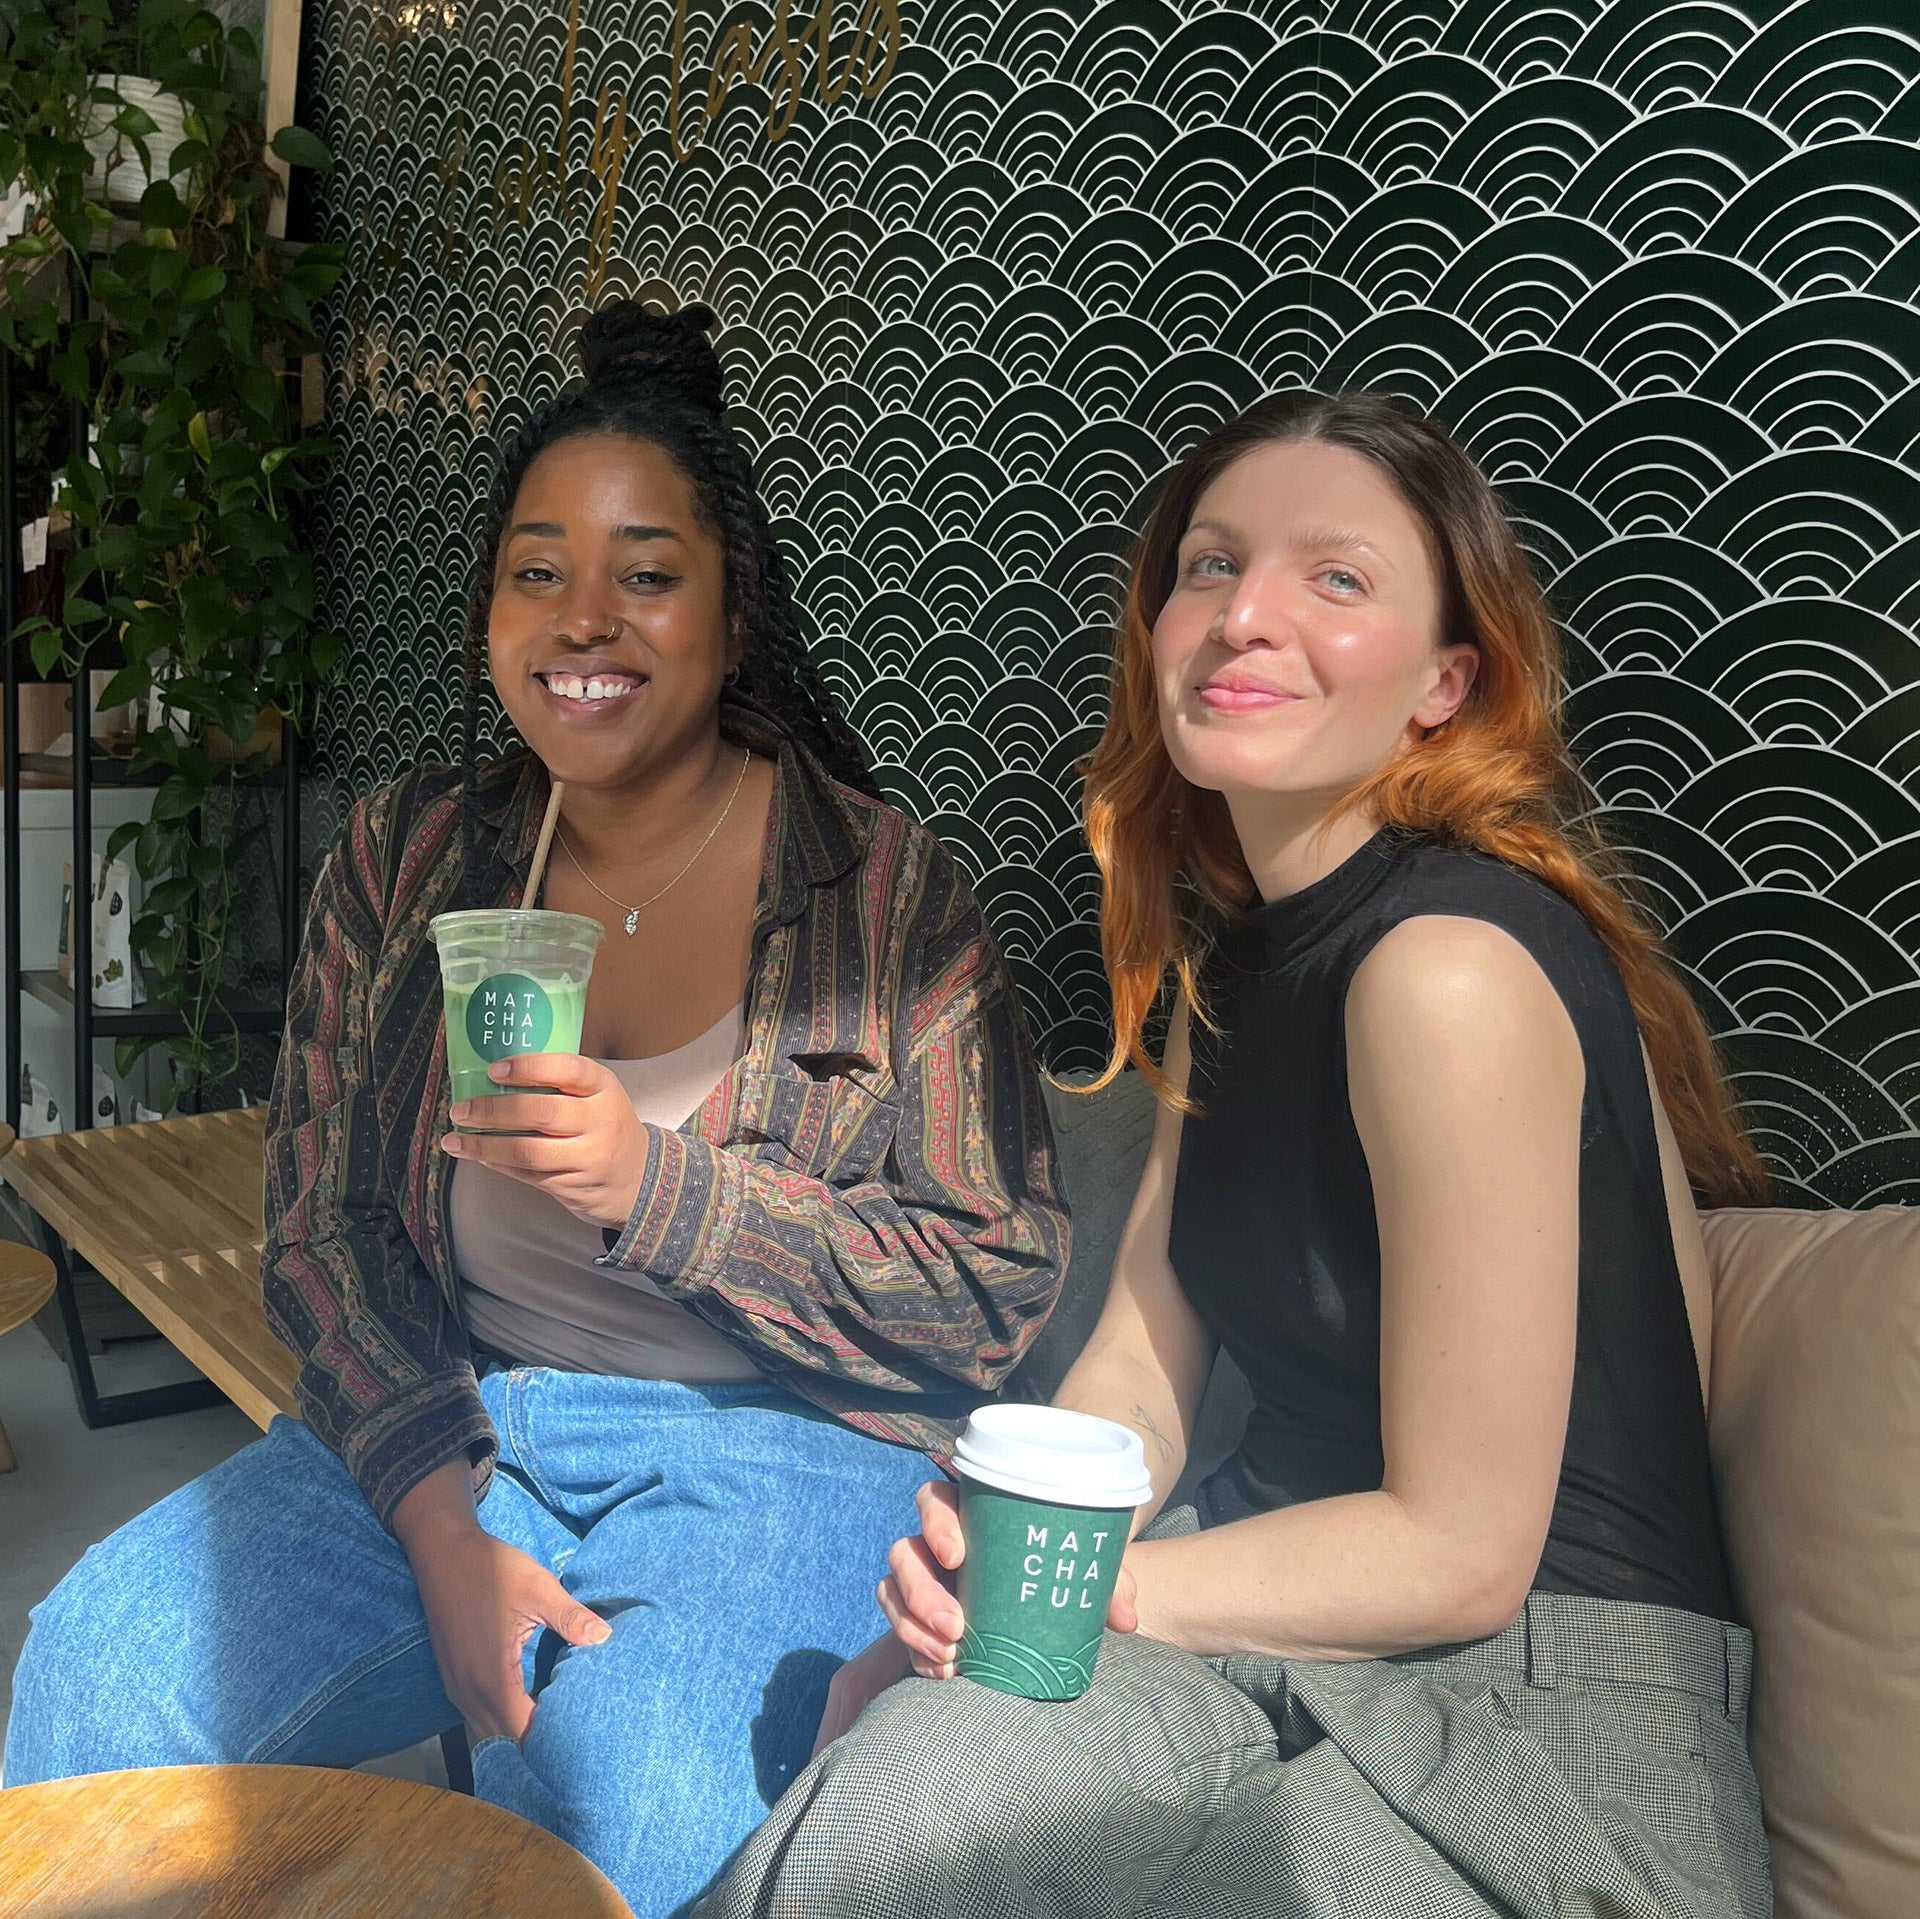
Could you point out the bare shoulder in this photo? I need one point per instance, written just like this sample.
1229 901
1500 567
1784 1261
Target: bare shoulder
1440 977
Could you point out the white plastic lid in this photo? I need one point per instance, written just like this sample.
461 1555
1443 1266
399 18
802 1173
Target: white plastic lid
1047 1452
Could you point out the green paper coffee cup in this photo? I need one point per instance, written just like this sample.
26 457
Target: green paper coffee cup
515 982
1047 1499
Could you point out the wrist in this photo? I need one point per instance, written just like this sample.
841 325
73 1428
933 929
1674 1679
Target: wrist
437 1509
620 1205
1142 1561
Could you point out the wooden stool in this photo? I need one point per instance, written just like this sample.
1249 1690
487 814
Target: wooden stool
281 1842
26 1284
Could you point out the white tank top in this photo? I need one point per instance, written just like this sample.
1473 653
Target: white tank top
528 1285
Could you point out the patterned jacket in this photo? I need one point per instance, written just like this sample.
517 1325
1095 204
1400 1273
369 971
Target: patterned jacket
867 1203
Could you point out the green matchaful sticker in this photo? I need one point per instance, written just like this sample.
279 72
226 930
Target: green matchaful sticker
509 1013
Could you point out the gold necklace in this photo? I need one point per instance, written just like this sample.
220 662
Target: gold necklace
632 920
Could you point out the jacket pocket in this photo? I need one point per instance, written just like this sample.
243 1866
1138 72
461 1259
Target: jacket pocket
830 1128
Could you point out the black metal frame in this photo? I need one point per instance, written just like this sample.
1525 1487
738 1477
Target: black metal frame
112 1409
90 1024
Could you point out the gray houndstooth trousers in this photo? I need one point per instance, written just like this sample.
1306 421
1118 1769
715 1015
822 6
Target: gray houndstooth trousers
1589 1762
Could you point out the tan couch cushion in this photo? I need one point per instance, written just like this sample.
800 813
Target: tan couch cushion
1816 1440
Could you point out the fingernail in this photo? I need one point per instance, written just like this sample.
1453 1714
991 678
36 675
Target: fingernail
460 1111
499 1069
451 1144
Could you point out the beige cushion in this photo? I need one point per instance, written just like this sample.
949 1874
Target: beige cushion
1816 1441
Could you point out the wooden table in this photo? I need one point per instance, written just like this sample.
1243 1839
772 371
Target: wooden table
26 1284
281 1842
168 1213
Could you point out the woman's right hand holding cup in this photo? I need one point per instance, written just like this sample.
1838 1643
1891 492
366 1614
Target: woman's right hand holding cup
917 1594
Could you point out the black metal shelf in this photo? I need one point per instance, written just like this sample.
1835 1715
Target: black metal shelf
108 769
150 1021
78 775
103 769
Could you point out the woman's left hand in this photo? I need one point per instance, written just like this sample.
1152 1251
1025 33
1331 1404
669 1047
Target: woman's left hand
581 1141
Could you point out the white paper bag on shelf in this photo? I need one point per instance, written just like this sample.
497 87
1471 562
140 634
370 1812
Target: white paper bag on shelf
143 1115
17 207
116 983
39 1112
106 1098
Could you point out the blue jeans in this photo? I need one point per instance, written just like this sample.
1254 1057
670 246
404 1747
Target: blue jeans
731 1535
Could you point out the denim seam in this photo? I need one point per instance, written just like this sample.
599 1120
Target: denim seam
319 1701
524 1462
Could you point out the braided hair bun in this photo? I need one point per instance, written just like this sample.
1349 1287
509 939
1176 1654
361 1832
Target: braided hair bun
631 341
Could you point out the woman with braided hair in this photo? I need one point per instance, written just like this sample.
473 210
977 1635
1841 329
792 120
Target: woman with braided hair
581 1392
1450 1635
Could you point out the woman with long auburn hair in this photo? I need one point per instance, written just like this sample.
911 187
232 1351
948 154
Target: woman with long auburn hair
1450 1635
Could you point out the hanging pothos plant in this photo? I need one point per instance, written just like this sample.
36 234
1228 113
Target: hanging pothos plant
185 570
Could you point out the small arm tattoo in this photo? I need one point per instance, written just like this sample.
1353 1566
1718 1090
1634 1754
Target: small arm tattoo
1142 1422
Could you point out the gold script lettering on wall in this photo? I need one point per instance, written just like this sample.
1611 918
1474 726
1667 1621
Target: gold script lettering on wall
611 138
842 50
779 61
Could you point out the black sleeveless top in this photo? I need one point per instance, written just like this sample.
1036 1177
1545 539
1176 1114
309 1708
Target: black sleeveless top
1275 1243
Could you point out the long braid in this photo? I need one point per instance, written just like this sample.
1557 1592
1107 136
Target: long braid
777 671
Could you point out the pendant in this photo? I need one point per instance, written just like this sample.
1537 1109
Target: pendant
632 921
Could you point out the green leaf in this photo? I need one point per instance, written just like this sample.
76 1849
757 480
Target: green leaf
72 374
206 613
204 351
136 122
177 798
165 270
236 321
122 837
299 148
197 433
203 284
128 1053
82 612
171 896
128 684
163 954
274 461
161 206
29 246
118 549
151 852
146 365
46 650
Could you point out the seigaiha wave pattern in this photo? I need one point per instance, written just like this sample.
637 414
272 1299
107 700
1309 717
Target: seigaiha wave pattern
987 266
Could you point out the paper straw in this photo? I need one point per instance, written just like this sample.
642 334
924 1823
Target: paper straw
537 871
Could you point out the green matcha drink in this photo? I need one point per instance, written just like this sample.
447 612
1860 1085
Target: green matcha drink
515 982
1047 1499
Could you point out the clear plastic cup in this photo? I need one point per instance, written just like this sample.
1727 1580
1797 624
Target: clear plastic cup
515 982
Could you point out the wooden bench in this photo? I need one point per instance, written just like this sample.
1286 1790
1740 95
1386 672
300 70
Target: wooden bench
169 1213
